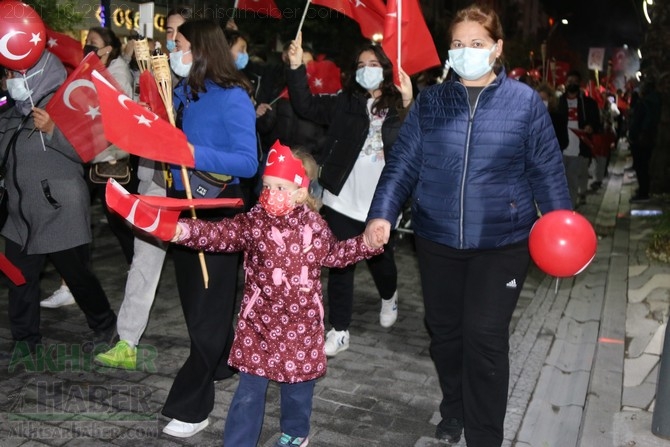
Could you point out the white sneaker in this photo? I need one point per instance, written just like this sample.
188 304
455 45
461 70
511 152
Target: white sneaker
389 312
181 429
336 341
61 297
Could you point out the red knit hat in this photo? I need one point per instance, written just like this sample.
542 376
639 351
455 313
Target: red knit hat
281 163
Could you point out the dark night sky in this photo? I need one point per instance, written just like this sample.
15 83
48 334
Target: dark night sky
600 23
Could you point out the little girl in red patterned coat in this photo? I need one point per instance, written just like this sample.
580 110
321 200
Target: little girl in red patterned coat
280 332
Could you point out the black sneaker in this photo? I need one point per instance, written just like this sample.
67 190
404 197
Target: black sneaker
449 430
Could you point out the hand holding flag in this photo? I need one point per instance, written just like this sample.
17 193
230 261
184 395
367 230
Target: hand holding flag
156 215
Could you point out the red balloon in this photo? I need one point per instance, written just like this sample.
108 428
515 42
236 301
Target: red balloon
516 73
535 74
22 35
562 243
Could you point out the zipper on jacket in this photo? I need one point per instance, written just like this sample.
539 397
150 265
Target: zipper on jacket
466 161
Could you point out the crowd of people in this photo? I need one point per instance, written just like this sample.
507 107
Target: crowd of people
324 180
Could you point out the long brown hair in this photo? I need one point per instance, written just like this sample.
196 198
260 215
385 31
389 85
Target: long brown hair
390 94
212 59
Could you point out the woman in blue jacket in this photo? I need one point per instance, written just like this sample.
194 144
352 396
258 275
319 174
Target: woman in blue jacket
363 122
477 154
214 109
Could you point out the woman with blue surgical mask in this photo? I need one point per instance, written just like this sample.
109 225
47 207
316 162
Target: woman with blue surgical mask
363 121
479 157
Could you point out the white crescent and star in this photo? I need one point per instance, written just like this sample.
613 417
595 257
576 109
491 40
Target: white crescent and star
5 51
141 119
281 158
72 87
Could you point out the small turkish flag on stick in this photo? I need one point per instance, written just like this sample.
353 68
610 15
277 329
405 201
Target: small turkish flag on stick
156 215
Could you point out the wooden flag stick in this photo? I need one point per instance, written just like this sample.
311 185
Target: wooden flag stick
163 79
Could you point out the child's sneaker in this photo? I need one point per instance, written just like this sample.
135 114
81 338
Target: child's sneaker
290 441
120 356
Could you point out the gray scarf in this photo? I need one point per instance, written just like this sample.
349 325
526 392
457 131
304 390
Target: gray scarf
51 75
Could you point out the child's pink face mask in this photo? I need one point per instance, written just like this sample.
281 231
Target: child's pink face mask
276 202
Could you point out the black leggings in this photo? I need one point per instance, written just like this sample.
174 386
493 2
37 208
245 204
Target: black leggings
341 281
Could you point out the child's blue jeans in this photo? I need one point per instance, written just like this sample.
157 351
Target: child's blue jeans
245 415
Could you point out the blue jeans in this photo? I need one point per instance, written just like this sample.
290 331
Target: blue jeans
245 415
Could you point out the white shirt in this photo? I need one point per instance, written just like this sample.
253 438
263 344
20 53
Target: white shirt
573 123
356 196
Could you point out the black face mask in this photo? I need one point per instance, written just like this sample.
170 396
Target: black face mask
572 88
90 49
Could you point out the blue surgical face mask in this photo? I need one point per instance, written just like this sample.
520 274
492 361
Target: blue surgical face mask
170 45
370 78
178 66
241 60
471 63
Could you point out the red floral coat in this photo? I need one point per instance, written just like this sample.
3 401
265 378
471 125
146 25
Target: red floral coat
280 331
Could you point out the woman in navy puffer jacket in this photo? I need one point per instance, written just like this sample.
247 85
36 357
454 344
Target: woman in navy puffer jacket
479 156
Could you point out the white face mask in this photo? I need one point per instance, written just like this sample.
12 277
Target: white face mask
471 63
369 77
180 68
18 87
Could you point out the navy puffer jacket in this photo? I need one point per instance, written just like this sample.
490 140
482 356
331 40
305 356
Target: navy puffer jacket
475 177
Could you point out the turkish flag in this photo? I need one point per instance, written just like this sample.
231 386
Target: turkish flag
561 71
139 131
66 48
11 271
76 110
153 214
264 7
368 13
418 51
149 94
323 76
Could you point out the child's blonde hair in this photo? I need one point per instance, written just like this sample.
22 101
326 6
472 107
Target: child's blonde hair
312 170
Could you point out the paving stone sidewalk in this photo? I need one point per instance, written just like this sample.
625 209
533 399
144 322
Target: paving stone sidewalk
583 359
